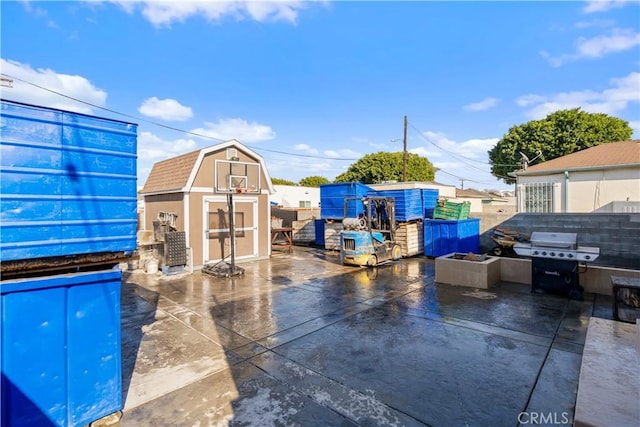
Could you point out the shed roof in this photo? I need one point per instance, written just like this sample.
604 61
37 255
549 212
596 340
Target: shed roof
177 173
611 154
171 174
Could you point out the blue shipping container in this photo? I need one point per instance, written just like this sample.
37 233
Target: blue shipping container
429 201
67 183
332 199
408 202
61 350
442 237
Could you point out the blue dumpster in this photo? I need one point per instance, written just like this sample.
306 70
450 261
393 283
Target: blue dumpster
67 183
332 198
61 351
442 237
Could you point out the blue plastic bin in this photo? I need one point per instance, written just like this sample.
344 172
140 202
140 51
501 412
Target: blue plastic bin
408 202
319 229
61 351
442 237
67 183
332 199
429 201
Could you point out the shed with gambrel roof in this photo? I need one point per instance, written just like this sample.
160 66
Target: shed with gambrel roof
196 187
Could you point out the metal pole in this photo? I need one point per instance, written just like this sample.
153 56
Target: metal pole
404 152
232 232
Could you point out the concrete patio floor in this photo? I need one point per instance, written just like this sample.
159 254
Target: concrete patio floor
301 340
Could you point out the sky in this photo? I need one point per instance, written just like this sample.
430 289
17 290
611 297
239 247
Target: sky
312 86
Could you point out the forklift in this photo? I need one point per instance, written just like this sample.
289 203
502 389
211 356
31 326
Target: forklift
369 239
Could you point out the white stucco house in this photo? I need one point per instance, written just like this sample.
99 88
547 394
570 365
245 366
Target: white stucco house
479 199
295 196
604 178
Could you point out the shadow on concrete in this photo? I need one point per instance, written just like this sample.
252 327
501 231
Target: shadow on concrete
138 309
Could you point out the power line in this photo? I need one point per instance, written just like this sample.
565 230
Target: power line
455 154
141 119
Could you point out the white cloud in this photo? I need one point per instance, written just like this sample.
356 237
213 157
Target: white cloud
475 148
342 154
166 109
243 131
152 149
483 105
635 125
71 85
616 98
594 6
307 149
601 23
618 40
164 13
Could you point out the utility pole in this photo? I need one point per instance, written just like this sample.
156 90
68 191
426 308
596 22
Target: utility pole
404 152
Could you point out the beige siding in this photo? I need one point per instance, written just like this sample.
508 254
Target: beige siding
163 203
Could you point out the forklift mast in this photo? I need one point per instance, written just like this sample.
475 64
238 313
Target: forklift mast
378 215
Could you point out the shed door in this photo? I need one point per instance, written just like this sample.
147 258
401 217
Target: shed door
217 242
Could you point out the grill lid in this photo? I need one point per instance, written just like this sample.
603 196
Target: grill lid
554 240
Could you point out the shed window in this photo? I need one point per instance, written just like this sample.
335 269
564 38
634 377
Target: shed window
537 197
304 203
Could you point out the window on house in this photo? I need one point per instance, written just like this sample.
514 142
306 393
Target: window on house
537 197
304 204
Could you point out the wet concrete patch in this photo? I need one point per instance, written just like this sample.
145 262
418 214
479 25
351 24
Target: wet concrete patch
555 392
303 340
168 355
361 407
311 326
531 314
437 373
240 396
268 314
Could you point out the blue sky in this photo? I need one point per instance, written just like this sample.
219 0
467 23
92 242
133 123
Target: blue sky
313 86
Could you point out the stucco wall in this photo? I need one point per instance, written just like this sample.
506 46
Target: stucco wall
289 196
589 191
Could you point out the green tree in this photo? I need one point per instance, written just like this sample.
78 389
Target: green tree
383 166
314 181
558 134
280 181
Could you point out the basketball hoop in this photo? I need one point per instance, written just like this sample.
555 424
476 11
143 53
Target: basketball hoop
241 190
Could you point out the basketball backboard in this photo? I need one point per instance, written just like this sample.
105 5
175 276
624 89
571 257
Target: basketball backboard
236 177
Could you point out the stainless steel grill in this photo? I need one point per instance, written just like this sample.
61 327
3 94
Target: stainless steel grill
557 246
554 262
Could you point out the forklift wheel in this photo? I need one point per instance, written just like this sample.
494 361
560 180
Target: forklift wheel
372 261
396 253
497 251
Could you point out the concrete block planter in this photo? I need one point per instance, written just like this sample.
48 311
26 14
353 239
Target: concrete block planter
452 269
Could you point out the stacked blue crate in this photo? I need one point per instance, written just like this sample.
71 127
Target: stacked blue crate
429 201
408 202
332 197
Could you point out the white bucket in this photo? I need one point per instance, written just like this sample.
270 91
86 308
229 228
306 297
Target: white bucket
152 266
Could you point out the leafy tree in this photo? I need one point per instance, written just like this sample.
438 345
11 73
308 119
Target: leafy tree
280 181
383 166
558 134
314 181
